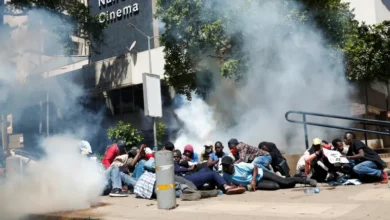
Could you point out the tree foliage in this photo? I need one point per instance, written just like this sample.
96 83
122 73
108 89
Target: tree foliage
70 12
125 132
195 31
160 133
368 53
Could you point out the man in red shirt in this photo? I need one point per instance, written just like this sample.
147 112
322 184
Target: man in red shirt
112 152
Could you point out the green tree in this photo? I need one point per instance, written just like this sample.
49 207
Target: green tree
368 55
160 133
125 132
193 28
70 12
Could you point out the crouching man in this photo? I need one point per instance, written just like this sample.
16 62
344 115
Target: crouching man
369 166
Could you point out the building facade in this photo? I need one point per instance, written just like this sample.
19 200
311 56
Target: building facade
372 101
110 75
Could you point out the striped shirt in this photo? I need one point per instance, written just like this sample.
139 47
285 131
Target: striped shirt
248 153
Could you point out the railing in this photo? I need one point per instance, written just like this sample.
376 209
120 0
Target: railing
362 121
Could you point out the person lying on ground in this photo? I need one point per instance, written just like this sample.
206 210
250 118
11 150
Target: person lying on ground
202 176
208 149
250 154
214 160
369 166
246 174
278 163
112 152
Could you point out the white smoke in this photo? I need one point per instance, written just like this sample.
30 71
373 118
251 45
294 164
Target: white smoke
63 180
289 69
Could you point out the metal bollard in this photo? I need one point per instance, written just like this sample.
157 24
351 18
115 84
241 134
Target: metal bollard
165 180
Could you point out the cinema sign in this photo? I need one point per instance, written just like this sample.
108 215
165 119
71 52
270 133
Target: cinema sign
110 16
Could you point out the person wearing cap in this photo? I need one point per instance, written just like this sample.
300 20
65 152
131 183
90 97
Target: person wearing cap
315 162
112 152
249 154
189 155
253 177
208 149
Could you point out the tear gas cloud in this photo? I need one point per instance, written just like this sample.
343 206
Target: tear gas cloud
63 179
289 69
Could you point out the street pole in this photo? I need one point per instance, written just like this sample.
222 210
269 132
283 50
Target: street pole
4 132
47 113
150 71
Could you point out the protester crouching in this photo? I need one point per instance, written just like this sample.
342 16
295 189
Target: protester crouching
278 163
369 166
250 154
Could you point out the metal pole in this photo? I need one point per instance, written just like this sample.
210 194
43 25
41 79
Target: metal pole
47 113
165 180
4 132
305 129
150 56
154 119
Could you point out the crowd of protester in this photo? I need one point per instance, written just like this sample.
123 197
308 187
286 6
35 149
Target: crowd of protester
244 168
239 168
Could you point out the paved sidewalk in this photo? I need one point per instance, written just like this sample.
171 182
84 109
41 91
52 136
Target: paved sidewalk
367 202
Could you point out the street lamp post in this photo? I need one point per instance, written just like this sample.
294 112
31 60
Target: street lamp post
150 71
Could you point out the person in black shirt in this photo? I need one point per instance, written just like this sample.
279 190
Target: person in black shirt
278 163
369 166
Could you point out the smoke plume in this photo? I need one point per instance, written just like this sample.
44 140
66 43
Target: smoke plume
289 69
63 179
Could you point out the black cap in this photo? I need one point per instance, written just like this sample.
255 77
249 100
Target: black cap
233 141
227 160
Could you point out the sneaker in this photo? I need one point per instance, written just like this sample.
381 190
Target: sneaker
232 190
118 193
385 177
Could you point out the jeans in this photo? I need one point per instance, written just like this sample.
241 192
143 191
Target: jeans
128 180
262 162
204 176
367 168
139 169
113 178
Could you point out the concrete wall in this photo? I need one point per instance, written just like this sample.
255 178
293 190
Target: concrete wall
122 71
371 11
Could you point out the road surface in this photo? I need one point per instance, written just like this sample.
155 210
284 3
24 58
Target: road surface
369 201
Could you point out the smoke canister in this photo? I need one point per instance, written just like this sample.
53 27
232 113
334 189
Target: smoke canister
165 180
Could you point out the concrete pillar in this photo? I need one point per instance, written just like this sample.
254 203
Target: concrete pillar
165 180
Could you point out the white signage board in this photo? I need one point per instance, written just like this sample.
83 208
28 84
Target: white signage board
152 95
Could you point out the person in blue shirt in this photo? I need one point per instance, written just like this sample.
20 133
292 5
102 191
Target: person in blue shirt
190 155
215 158
249 175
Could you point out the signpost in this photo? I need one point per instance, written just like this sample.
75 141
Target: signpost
152 99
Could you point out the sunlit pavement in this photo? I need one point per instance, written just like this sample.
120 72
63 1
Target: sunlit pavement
369 201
